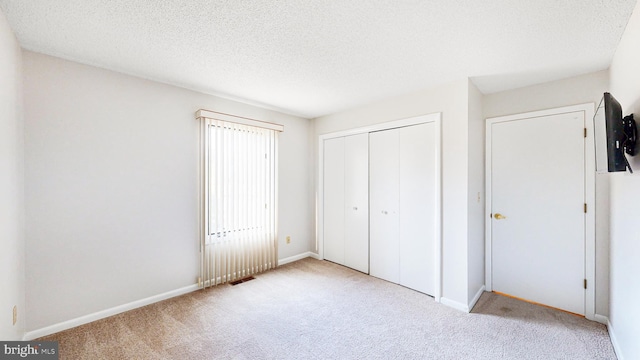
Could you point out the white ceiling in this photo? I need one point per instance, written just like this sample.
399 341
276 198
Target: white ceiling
317 57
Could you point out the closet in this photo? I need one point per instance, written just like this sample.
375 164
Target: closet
346 201
381 203
403 204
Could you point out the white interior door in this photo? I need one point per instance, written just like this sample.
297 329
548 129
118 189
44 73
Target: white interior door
356 168
537 202
418 206
334 197
384 198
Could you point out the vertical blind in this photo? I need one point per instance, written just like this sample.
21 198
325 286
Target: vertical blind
238 198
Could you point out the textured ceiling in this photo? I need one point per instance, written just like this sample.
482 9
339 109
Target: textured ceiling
316 57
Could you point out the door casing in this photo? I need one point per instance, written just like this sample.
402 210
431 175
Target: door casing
589 152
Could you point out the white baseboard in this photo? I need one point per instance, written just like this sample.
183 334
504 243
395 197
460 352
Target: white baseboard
454 304
614 341
476 298
52 329
65 325
291 259
601 319
612 335
460 306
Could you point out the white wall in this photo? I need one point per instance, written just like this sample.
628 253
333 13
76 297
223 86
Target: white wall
582 89
475 231
625 204
451 100
12 277
570 91
111 187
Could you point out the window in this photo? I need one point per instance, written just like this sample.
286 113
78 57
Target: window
238 197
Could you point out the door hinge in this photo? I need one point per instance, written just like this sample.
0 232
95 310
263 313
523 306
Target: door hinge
585 283
585 132
585 208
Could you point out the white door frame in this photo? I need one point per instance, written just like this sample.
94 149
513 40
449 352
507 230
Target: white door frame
589 152
435 118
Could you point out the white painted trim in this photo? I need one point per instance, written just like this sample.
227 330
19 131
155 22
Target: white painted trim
52 329
238 119
589 156
454 304
293 258
547 112
320 201
488 283
601 319
438 231
435 118
421 119
590 217
460 306
475 299
276 193
614 341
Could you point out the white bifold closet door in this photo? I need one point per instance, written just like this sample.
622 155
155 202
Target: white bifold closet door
356 185
346 201
384 200
334 200
403 206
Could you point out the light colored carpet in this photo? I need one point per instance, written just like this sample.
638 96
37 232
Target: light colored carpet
314 309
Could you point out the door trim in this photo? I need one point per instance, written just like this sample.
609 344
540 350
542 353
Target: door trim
435 118
589 173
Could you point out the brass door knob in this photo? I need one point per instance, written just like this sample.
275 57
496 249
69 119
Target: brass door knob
499 216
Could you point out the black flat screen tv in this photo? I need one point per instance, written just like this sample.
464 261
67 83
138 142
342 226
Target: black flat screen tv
621 135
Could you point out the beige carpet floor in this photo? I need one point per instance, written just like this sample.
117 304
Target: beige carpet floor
314 309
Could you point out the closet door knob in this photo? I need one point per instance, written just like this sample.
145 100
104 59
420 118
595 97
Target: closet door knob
385 212
355 208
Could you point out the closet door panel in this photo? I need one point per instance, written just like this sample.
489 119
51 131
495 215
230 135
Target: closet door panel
356 238
384 186
417 193
334 217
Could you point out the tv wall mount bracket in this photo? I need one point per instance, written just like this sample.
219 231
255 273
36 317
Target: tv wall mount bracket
631 133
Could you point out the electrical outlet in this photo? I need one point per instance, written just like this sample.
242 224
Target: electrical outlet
15 314
288 239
